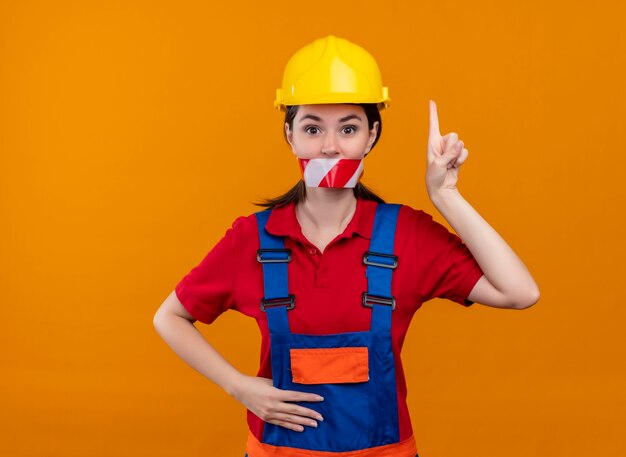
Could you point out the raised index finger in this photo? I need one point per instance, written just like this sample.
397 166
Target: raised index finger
434 121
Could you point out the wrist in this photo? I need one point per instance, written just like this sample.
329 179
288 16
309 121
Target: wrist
443 196
232 384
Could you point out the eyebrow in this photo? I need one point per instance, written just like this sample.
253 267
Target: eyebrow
312 117
319 119
350 117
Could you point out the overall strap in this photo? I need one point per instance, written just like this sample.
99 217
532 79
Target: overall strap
381 262
273 257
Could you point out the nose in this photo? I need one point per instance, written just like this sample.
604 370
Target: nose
330 147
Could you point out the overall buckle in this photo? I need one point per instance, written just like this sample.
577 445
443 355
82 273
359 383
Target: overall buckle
273 255
370 300
377 259
289 301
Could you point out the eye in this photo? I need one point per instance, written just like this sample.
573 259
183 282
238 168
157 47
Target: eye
349 130
312 129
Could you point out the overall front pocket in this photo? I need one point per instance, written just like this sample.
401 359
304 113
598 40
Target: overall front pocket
329 365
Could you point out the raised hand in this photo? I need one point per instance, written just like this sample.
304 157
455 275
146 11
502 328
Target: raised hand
445 155
276 406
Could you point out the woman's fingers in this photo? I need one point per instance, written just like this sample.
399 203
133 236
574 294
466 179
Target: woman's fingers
294 395
450 154
434 122
449 141
289 396
455 155
443 144
462 158
292 409
293 417
288 425
436 143
445 155
285 413
275 405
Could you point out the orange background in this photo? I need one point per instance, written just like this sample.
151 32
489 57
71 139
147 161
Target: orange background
133 133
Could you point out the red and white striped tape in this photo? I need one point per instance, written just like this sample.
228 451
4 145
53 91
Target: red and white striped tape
335 173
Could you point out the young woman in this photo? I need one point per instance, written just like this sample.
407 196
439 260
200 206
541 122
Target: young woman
333 275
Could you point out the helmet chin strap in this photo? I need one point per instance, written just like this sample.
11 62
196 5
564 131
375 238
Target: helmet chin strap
331 173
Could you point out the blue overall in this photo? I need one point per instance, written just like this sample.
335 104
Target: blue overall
357 415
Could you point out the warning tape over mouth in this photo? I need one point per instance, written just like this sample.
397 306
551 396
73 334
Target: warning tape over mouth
333 173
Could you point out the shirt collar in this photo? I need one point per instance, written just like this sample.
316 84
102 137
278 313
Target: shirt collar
283 221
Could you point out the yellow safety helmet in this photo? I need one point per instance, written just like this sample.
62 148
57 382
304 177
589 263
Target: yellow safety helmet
331 70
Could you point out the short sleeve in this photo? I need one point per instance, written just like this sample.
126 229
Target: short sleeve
447 268
208 289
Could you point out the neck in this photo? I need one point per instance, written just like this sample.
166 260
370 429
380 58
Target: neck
327 208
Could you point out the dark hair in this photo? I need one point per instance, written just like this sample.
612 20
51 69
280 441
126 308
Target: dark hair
298 192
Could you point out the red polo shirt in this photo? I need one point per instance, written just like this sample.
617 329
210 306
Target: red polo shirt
432 262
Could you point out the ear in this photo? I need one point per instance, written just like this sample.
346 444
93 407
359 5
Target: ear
372 136
289 135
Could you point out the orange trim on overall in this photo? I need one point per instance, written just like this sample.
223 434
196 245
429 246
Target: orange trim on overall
329 365
404 448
